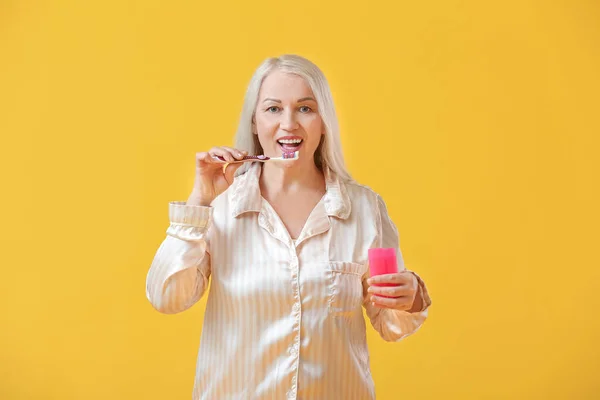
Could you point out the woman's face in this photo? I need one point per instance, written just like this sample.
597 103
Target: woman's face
287 117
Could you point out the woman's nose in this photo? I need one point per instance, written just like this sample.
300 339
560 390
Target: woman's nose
288 121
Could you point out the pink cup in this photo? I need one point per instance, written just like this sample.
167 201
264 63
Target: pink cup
383 261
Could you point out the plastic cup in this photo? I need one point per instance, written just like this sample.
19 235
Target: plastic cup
383 261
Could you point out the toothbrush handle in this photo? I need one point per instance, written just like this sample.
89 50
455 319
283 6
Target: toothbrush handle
245 159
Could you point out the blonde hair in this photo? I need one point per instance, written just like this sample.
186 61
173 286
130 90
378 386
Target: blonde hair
329 152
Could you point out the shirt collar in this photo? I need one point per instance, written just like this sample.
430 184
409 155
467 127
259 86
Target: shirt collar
245 195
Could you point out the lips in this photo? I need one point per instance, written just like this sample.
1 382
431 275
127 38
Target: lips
290 144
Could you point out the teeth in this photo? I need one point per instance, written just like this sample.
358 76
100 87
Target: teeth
290 141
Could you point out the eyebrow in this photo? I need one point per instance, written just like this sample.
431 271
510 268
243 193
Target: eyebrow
299 101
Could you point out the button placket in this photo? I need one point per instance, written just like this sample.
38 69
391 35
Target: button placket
294 350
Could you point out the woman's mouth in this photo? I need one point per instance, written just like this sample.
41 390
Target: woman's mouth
290 145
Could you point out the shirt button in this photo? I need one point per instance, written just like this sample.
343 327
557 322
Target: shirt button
292 351
296 307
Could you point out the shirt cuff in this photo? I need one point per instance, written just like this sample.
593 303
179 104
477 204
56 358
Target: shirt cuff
182 214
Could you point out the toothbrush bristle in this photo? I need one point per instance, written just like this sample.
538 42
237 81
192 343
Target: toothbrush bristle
290 156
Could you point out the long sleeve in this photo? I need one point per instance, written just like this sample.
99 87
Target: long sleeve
393 325
180 270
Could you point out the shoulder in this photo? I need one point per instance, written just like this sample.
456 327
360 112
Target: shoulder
223 202
362 193
241 196
366 202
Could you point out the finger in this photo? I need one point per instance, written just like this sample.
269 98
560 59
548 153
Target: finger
399 303
230 171
391 291
237 154
221 155
399 278
206 158
219 151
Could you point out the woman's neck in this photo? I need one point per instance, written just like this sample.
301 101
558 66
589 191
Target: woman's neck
277 179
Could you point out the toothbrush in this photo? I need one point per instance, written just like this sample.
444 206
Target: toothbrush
263 158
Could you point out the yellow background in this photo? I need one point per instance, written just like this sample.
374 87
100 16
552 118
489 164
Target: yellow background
476 121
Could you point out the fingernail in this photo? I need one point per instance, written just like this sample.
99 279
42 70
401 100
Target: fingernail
370 290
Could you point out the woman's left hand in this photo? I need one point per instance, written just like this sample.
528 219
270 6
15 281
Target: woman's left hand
400 296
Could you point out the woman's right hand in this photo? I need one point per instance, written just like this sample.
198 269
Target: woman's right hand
211 178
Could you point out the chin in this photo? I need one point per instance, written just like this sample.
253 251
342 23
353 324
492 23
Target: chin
289 164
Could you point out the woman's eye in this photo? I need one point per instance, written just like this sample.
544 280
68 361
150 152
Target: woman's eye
305 109
273 109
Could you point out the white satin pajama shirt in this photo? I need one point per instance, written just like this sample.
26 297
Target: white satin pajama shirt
284 317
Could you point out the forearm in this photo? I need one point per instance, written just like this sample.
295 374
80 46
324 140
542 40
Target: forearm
180 269
178 276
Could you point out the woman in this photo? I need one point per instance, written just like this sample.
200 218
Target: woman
285 244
